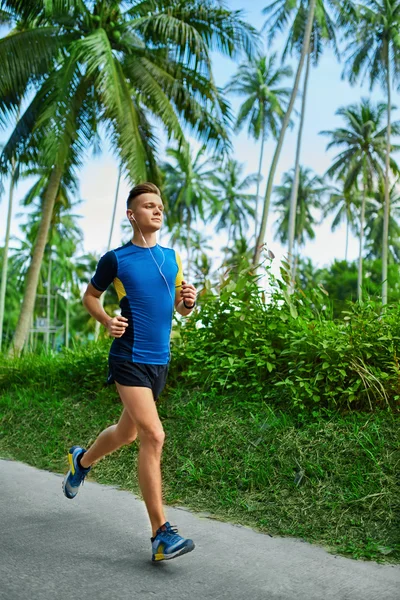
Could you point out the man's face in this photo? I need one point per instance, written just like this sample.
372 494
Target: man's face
148 211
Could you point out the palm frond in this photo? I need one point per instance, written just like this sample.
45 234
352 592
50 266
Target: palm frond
26 57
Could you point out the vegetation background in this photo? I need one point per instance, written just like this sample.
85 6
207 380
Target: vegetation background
281 409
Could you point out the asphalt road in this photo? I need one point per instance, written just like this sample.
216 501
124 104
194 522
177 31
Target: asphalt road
97 547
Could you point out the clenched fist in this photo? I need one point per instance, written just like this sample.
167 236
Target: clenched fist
116 326
188 293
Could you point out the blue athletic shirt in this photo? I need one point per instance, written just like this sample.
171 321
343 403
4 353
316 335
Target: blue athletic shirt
143 298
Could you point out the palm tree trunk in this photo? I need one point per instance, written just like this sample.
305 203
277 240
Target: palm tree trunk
67 319
227 244
32 277
31 337
97 324
295 186
188 244
360 256
386 213
347 237
258 182
296 248
47 336
5 255
285 123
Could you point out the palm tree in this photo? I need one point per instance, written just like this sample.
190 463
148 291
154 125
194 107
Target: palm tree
310 194
235 203
362 158
92 62
14 174
345 204
322 33
374 52
65 236
374 217
188 192
265 104
200 263
97 326
4 269
203 277
237 258
285 123
14 291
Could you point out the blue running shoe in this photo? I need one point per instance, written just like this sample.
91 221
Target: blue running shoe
76 474
167 544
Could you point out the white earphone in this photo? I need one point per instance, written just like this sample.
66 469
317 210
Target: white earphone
132 218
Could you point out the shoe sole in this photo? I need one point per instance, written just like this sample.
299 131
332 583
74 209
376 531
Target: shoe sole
184 550
64 489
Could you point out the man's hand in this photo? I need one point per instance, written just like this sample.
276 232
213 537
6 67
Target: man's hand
116 326
188 293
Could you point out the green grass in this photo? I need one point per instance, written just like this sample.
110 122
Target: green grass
332 480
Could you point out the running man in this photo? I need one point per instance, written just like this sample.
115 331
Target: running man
149 282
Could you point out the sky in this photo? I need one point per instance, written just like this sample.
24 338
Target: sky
326 93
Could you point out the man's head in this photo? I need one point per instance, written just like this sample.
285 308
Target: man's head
145 207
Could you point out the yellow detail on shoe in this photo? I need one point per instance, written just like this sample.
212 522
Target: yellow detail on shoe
160 553
71 464
119 288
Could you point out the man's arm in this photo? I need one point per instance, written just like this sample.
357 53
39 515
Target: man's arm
91 301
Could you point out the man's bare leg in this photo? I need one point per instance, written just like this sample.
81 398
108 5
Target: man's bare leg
139 403
112 438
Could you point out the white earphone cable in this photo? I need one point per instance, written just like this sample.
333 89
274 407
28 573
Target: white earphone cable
162 275
158 266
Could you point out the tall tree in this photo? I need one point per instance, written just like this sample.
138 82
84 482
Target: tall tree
259 81
310 195
285 123
362 159
188 192
97 326
235 203
203 276
65 236
374 52
4 269
14 172
118 64
323 33
237 258
14 291
374 217
345 204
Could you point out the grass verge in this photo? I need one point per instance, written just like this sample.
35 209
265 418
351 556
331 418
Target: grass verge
331 481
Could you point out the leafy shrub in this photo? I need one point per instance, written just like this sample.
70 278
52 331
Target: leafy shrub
288 348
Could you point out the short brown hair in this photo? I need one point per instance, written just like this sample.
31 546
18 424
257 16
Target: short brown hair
142 188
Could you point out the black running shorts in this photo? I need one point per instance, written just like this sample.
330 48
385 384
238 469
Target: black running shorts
138 374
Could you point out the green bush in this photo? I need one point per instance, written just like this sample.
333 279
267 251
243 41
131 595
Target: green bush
289 349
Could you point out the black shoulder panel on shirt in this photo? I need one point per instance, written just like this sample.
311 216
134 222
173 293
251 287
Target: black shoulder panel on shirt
106 271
